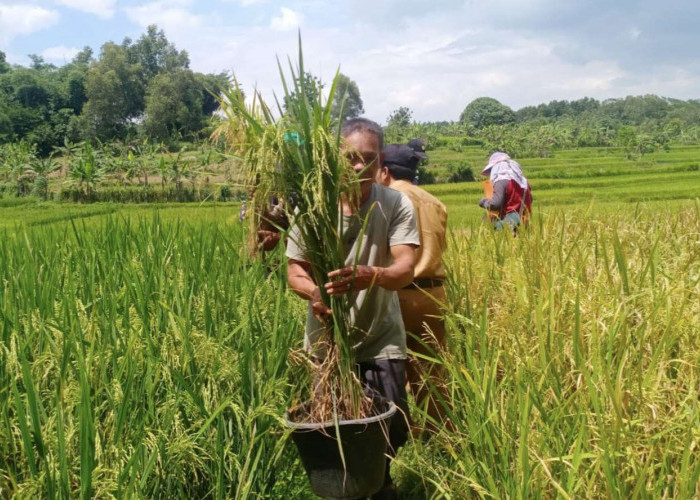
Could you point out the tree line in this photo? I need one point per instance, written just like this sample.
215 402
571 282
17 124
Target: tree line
115 116
637 124
135 89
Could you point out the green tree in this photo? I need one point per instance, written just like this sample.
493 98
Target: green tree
400 118
212 84
84 57
155 54
30 100
115 93
6 131
348 94
17 160
398 125
174 103
4 67
38 63
637 109
485 111
626 138
545 138
73 75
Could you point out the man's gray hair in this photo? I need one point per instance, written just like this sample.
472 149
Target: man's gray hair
354 125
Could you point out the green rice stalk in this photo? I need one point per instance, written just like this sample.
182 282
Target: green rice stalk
298 156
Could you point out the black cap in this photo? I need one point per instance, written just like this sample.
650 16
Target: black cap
401 160
418 146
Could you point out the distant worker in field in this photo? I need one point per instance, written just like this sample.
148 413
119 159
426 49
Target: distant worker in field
508 193
421 301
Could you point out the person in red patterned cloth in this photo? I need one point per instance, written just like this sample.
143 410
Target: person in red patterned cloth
512 195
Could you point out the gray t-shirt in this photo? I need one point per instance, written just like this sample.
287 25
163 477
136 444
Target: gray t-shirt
379 332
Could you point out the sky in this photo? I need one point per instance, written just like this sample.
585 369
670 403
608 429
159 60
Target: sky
433 56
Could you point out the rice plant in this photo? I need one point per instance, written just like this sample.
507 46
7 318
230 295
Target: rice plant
148 357
137 360
574 361
297 156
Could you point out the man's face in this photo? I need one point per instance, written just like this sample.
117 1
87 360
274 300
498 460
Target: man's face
383 176
362 151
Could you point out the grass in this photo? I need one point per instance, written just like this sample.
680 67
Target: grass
143 353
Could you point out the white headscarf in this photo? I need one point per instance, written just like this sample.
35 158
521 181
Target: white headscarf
501 167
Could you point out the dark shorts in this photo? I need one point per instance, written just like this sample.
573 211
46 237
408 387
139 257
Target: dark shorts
388 378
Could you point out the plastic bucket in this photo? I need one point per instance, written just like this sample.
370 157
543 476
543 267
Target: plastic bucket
364 445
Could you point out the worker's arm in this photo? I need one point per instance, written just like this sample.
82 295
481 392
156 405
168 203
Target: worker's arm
301 283
394 277
498 199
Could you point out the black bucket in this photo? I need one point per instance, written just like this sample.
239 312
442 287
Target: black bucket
364 444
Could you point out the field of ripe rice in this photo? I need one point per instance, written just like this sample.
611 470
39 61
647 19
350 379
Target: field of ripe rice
147 355
143 353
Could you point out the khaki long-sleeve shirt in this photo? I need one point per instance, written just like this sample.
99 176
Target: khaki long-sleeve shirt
431 216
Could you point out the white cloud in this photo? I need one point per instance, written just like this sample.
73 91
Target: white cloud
101 8
287 20
171 16
60 53
434 59
493 78
22 19
435 64
180 25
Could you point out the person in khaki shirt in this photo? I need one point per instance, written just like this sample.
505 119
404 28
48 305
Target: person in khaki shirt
422 301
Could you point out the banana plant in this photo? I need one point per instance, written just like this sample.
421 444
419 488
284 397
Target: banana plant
41 169
87 169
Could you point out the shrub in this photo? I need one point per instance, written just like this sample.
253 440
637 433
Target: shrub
460 173
425 176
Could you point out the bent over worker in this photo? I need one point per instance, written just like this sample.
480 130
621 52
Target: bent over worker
385 264
512 195
422 300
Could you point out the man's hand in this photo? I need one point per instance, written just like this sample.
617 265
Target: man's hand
320 310
303 285
267 240
344 281
483 202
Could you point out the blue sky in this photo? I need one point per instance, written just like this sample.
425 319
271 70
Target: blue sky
432 56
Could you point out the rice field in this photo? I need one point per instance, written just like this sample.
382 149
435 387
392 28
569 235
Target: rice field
144 353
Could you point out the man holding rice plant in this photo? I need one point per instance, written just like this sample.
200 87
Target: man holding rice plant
379 236
422 300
